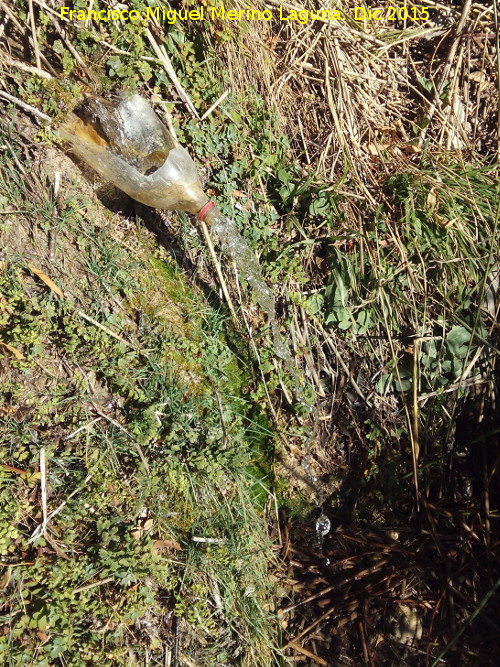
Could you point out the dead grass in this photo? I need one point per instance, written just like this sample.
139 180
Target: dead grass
346 90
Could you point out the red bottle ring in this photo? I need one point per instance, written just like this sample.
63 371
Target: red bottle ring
206 208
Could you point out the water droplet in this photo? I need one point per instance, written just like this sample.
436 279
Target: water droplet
323 525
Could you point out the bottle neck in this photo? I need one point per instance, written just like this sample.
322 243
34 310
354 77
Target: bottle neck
209 213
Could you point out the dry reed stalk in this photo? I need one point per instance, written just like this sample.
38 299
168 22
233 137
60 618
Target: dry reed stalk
338 84
165 61
309 654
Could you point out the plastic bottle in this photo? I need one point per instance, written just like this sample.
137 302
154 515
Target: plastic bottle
126 143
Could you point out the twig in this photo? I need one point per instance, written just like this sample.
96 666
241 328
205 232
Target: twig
476 380
105 329
216 104
307 630
220 275
94 585
18 471
309 654
366 647
26 68
43 486
37 532
71 48
328 589
175 648
23 105
2 26
415 441
170 125
81 428
209 540
165 60
52 234
34 37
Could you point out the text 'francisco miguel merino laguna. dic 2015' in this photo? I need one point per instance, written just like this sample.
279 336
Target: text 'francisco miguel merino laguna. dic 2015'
248 14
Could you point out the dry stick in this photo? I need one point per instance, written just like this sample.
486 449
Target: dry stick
2 26
37 532
34 37
105 329
165 61
71 48
209 540
304 143
448 65
223 285
89 9
311 656
497 47
413 35
88 587
48 9
12 17
175 648
474 381
216 104
345 580
122 52
26 68
18 471
363 643
453 111
23 105
307 630
170 125
415 441
82 428
43 486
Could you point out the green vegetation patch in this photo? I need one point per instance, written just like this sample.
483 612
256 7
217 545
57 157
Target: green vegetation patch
128 445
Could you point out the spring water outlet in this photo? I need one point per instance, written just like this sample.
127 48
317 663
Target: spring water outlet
126 143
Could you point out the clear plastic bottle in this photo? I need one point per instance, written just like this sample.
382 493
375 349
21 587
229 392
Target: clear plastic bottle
126 143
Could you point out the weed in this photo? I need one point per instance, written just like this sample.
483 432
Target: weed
139 456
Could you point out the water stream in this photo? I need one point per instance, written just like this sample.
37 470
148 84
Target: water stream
235 246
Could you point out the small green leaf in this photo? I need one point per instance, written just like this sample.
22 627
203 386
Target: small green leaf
457 341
